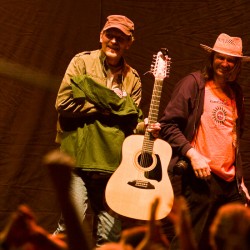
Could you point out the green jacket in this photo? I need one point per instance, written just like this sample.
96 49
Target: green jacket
93 121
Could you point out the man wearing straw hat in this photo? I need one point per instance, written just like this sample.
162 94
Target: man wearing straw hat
203 123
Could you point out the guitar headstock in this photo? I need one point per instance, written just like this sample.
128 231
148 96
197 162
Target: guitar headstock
161 64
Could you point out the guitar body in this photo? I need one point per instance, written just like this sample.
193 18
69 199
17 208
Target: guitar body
142 176
133 188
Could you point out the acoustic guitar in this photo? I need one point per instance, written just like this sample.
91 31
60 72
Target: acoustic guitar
142 175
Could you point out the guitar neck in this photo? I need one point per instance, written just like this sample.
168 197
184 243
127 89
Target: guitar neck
148 142
155 101
160 70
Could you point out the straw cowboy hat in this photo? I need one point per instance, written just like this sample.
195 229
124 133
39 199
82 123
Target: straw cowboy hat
227 45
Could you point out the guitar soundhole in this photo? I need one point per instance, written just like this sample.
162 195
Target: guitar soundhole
145 160
150 164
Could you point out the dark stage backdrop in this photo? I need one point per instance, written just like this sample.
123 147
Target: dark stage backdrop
37 40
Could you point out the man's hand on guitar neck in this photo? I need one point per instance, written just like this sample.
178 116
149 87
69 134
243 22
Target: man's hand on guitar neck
153 128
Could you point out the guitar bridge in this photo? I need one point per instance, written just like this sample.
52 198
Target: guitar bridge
141 184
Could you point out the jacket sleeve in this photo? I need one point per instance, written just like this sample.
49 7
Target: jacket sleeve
68 102
178 115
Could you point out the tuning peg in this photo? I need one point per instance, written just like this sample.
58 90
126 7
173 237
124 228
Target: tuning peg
164 51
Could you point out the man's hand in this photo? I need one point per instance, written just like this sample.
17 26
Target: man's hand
153 128
199 164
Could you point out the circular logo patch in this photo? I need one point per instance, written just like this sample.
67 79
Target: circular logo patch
219 115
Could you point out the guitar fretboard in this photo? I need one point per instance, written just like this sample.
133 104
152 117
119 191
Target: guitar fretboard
148 141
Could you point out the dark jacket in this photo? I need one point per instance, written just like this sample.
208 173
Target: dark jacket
182 116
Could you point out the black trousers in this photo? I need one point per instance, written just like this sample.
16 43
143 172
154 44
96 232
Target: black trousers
204 198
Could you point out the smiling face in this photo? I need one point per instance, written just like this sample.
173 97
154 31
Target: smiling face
114 43
224 67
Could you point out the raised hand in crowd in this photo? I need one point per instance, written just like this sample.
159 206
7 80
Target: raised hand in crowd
182 223
60 167
145 237
23 233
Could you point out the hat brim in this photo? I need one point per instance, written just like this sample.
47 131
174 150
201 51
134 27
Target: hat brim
209 50
119 27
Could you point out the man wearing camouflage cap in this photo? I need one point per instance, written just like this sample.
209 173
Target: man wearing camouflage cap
89 129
